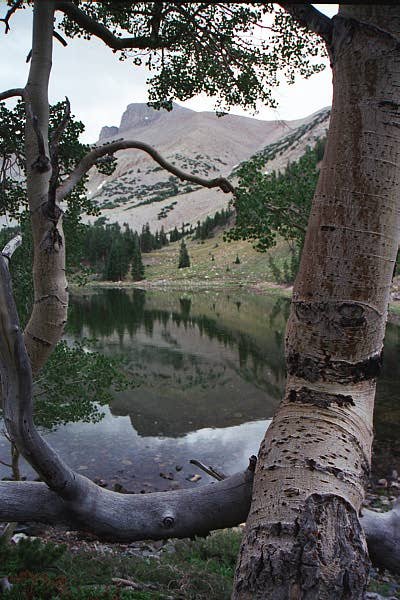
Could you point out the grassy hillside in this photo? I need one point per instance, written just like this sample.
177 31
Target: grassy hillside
213 264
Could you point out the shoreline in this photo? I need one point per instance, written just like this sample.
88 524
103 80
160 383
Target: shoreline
258 288
192 284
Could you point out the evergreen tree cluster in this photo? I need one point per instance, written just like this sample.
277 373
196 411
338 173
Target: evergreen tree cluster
177 234
110 250
150 241
206 229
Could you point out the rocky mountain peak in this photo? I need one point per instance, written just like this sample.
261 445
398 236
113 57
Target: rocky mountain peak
107 132
138 114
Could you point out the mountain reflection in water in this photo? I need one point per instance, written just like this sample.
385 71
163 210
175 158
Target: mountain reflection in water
209 372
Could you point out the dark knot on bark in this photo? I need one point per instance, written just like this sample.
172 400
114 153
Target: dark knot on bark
168 522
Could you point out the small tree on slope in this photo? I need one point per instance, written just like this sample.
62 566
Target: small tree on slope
184 260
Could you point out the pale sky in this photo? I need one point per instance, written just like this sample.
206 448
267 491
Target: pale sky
100 86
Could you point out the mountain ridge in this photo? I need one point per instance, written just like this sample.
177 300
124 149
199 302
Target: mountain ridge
140 191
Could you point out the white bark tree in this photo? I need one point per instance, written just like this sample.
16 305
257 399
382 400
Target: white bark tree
315 457
303 537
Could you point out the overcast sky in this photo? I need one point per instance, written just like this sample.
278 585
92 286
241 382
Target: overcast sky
100 86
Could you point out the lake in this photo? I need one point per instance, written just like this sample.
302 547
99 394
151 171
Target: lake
209 372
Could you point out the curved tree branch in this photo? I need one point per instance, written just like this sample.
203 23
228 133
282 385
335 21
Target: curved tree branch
151 42
75 498
131 517
60 38
16 388
308 16
12 93
90 159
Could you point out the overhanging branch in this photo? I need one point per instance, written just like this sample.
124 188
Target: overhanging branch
10 12
308 16
90 159
151 42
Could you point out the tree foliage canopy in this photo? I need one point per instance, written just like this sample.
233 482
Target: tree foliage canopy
232 51
276 203
70 151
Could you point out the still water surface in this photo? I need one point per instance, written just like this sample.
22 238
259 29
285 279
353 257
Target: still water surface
209 372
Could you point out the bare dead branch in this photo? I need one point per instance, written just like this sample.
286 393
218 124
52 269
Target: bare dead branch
10 13
42 163
90 159
53 149
11 247
131 517
57 36
209 470
311 18
116 43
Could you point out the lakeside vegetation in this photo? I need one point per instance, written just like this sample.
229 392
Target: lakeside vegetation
200 569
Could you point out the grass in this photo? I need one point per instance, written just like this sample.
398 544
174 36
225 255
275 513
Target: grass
213 266
184 570
199 569
213 263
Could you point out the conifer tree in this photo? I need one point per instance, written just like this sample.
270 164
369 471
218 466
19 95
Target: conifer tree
146 239
117 264
174 236
163 237
137 268
184 260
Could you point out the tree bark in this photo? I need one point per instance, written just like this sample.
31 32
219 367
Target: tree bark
303 537
49 313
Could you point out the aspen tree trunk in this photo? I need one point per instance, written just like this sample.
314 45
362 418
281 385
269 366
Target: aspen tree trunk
303 539
46 324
